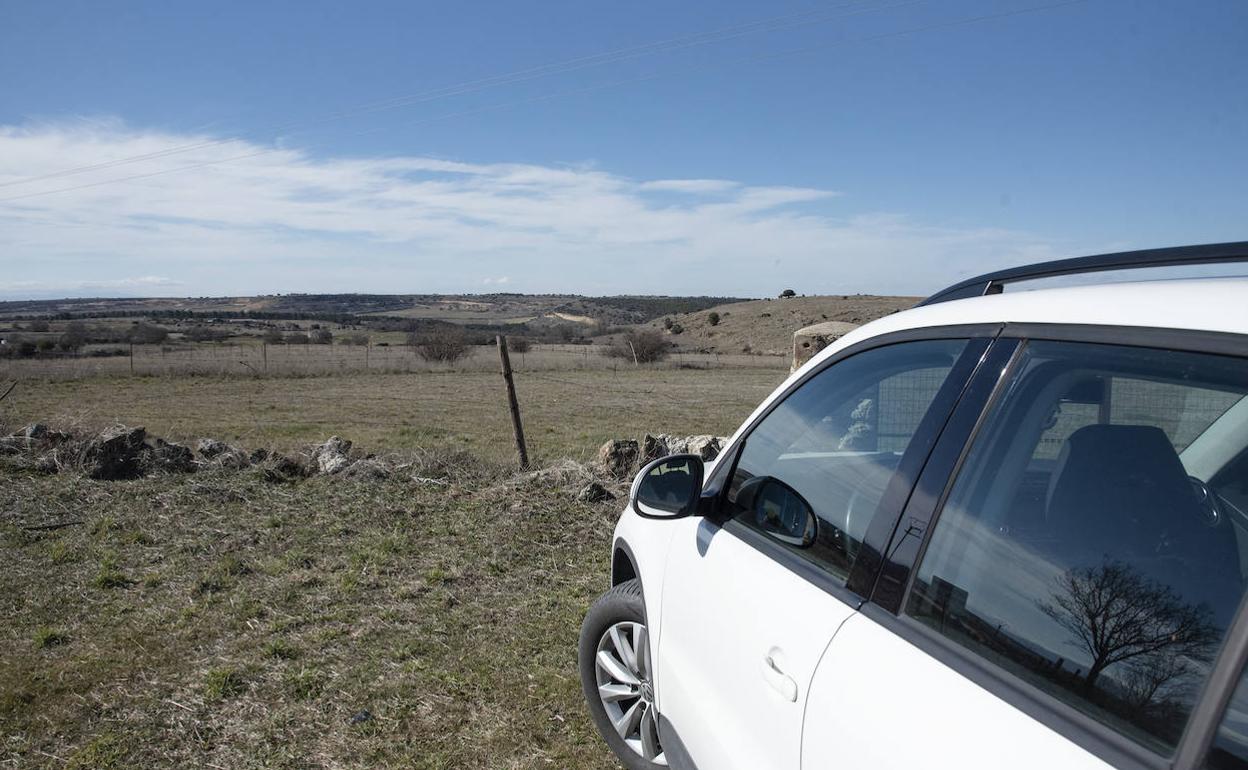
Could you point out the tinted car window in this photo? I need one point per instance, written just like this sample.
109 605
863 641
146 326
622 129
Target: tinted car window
1083 547
812 473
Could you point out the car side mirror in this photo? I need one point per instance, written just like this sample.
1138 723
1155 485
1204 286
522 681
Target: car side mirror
778 510
668 488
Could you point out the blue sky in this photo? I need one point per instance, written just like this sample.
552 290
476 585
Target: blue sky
875 146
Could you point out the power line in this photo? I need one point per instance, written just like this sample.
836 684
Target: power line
577 91
519 76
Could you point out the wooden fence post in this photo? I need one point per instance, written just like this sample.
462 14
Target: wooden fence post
512 404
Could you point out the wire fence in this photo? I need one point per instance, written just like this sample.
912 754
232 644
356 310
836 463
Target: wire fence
260 360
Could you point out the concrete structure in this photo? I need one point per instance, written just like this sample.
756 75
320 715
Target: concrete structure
810 340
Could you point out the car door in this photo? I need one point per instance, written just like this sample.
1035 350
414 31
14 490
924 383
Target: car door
1066 578
753 593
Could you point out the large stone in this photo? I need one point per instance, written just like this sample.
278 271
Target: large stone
618 458
706 447
172 458
654 446
333 456
118 452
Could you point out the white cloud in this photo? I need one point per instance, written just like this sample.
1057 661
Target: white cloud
500 281
250 218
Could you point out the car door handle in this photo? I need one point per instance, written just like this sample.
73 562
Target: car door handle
775 676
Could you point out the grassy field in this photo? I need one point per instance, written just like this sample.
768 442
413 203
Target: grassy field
566 413
224 621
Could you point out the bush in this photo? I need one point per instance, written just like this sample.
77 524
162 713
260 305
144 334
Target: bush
46 345
358 339
38 326
74 338
273 337
296 338
712 318
444 345
147 334
787 293
321 336
519 344
205 334
677 329
643 345
667 323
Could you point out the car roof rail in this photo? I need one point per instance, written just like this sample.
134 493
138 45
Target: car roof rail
994 283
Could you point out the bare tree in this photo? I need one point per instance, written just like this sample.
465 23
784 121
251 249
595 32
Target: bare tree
1118 614
641 345
447 345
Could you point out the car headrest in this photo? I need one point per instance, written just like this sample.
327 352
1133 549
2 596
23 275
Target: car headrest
1118 487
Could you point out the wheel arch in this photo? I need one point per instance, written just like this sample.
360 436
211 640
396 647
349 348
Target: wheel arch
623 563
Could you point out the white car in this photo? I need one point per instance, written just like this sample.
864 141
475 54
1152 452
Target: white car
996 530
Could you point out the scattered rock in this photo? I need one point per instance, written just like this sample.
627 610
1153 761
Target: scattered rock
35 431
172 458
361 716
117 453
332 456
593 492
660 445
221 454
618 458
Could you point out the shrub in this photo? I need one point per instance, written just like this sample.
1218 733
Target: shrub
321 336
445 345
273 336
358 339
74 338
712 318
677 329
45 345
667 323
787 293
38 326
296 338
205 334
643 345
519 344
147 334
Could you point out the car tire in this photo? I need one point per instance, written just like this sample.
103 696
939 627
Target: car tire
613 623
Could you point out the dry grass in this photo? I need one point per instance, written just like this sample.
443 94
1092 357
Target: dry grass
323 623
565 413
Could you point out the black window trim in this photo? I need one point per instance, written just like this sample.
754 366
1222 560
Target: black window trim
1098 739
980 336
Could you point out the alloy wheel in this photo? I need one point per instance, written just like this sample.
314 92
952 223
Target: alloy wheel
622 664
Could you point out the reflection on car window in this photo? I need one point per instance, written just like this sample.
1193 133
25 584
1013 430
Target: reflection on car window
1084 546
813 471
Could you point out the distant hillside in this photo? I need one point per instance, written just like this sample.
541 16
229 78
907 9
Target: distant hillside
767 326
474 309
